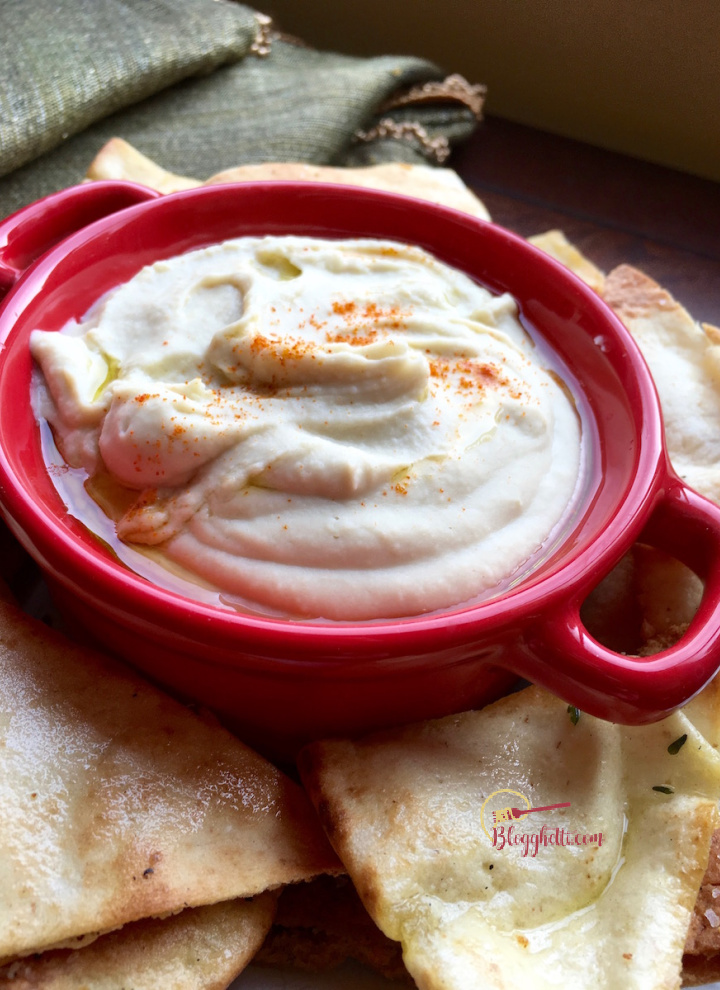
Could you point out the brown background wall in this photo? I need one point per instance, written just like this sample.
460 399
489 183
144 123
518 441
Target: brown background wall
637 76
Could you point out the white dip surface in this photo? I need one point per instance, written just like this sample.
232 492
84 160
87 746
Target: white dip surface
345 429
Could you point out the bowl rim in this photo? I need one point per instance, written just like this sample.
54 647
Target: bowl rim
42 533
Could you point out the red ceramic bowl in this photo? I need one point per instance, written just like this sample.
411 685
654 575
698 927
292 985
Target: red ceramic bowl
283 682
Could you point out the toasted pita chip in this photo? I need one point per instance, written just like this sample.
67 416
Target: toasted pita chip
664 593
703 936
405 811
556 244
436 185
701 962
669 595
201 948
117 803
704 713
645 604
684 358
611 612
119 160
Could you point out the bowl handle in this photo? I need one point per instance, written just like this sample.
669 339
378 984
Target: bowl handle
629 689
33 230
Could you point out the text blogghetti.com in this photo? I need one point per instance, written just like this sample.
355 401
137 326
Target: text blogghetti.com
545 837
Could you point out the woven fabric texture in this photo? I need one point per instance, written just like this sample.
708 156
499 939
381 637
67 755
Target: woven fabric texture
183 82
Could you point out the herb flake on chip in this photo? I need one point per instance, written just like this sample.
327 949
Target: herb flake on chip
675 747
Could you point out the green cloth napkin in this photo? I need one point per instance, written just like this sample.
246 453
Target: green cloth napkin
198 86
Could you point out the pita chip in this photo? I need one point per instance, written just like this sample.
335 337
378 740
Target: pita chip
436 185
703 935
668 594
645 604
662 592
407 812
556 244
684 358
119 160
201 948
682 354
117 803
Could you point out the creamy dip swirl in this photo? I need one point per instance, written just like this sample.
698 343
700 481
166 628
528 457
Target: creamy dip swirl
340 429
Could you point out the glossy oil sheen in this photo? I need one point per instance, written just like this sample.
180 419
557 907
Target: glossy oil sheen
283 682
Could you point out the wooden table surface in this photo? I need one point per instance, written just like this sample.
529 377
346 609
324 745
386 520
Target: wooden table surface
614 208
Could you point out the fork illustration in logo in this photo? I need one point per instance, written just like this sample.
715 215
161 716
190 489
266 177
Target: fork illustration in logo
511 814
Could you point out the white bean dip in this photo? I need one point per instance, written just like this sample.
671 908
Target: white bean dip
339 429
